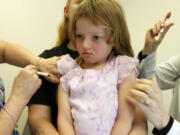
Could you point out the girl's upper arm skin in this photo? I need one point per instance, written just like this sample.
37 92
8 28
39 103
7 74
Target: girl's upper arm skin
63 103
125 114
129 113
65 123
125 109
139 124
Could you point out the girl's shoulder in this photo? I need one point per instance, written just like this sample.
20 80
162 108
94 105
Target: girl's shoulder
66 64
123 60
125 65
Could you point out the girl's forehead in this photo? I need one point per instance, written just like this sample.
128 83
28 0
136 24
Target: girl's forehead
89 20
86 25
93 20
75 1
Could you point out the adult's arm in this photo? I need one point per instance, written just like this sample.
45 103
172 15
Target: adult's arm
40 110
175 128
148 96
147 65
17 55
147 56
40 120
24 86
172 128
167 72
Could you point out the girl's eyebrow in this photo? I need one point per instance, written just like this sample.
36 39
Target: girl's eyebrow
79 1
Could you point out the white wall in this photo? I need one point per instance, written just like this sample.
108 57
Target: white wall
33 23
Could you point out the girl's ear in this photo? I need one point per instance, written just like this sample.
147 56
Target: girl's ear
66 12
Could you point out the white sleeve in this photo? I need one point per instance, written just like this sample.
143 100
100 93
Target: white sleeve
175 129
167 72
147 66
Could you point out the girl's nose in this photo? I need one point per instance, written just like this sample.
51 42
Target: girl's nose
86 44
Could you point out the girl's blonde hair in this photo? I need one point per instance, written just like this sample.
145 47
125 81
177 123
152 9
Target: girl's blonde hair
63 29
110 14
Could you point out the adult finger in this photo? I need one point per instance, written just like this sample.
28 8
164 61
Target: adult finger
141 97
145 88
168 15
53 79
136 102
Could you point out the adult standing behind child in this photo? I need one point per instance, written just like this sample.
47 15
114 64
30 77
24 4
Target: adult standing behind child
92 91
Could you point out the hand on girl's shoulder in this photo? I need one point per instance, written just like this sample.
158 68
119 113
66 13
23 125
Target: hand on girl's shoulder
65 64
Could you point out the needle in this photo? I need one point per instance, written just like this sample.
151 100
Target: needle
44 74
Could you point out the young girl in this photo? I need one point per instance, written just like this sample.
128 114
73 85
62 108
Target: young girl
91 95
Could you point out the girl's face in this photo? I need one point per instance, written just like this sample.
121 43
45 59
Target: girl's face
68 11
91 41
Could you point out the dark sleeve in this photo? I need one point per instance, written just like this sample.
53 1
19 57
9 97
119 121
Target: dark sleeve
42 96
165 130
50 53
141 56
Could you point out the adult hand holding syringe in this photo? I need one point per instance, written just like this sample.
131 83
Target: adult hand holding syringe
165 25
155 34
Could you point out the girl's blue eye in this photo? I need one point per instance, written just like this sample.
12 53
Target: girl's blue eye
79 1
96 37
78 36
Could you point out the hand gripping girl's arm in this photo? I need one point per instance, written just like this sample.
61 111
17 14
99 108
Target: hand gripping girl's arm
126 112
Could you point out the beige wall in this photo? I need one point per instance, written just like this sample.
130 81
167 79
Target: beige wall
142 14
33 24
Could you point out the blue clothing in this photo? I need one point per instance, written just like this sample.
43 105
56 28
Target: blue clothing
2 94
2 101
15 132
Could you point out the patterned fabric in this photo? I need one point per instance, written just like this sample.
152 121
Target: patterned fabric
2 94
93 93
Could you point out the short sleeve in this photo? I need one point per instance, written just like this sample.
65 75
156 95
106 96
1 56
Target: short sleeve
125 66
44 95
66 64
